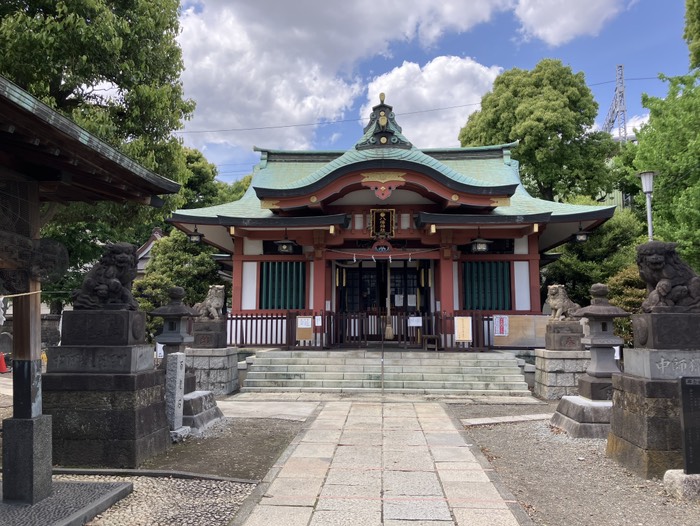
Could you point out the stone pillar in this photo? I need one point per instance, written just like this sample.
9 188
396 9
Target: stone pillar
174 389
645 433
559 366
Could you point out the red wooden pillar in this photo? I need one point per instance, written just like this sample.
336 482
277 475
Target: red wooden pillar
237 275
446 281
534 260
319 277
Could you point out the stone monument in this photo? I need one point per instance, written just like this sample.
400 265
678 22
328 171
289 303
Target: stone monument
588 414
215 364
101 388
645 433
563 361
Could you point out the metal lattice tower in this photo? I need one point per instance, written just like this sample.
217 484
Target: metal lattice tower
618 108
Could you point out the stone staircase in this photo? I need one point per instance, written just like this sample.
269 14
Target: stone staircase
353 371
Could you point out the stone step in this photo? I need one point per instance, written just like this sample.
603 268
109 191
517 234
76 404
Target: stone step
413 376
363 390
374 368
376 384
404 371
445 362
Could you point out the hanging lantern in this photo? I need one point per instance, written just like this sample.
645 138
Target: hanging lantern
195 236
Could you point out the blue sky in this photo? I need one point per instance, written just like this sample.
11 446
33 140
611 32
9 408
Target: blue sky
262 73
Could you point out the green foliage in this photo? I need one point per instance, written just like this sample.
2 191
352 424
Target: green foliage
550 110
608 250
113 66
228 193
201 188
669 145
627 291
175 261
692 31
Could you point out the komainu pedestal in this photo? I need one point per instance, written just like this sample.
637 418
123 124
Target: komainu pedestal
645 430
559 366
105 396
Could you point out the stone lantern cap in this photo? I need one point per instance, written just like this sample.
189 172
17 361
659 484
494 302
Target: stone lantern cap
600 307
176 308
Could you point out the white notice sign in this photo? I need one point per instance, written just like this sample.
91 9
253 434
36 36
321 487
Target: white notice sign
500 325
415 321
463 328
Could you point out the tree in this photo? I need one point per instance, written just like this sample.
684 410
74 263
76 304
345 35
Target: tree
668 145
176 261
692 30
550 110
627 291
112 66
608 250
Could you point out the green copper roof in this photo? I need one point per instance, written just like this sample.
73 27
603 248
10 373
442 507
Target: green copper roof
485 170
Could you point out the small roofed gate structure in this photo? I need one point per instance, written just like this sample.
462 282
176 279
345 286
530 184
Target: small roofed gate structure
365 240
45 158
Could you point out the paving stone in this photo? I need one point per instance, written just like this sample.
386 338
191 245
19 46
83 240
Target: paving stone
371 479
357 457
287 515
361 438
446 439
421 483
452 454
416 458
285 491
455 472
473 495
349 498
314 450
345 518
414 509
401 439
304 467
321 436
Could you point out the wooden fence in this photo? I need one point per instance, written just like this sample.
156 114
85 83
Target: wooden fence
321 330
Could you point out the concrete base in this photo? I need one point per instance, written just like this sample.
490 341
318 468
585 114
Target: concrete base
115 420
200 411
215 370
26 459
209 334
557 372
645 429
583 418
682 486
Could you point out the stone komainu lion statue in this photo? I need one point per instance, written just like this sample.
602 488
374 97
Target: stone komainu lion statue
558 300
672 285
213 303
108 284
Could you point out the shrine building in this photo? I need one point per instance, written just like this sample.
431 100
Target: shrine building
387 232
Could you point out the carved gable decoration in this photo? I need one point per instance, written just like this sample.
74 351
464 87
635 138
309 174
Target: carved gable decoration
382 130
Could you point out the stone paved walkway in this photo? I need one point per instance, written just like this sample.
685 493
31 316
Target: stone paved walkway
373 463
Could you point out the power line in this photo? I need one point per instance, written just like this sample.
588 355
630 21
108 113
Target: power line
340 121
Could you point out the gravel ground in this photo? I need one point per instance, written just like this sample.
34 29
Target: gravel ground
170 501
563 481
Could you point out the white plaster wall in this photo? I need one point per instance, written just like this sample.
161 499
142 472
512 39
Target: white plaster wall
250 285
252 247
521 270
520 246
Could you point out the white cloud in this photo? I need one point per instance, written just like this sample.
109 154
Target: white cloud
270 63
254 66
557 22
444 82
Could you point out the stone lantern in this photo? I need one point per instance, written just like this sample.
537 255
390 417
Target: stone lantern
174 335
596 384
588 414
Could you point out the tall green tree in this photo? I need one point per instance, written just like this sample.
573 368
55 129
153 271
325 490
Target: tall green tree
668 145
112 66
692 31
550 110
